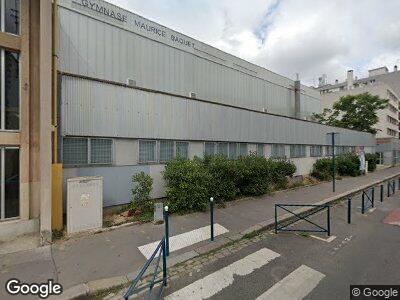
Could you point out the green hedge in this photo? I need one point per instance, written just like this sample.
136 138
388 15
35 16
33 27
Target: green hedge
372 161
346 165
190 183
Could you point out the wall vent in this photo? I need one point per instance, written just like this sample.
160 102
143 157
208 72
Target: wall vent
192 95
130 82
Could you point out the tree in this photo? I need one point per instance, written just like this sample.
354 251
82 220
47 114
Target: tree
358 112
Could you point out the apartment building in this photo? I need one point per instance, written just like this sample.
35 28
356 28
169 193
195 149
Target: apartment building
382 83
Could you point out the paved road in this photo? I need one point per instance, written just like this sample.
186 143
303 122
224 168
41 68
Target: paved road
289 266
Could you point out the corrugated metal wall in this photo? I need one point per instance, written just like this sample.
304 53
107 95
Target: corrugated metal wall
98 49
91 108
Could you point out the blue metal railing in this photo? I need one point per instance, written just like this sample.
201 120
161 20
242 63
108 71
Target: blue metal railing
391 187
158 254
367 199
303 216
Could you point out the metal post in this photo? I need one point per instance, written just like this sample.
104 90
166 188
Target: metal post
373 196
212 218
329 221
362 203
381 192
333 163
164 261
388 187
166 231
349 210
399 184
276 220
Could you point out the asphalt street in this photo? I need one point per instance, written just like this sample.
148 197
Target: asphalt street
296 266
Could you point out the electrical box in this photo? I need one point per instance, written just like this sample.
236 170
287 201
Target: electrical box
84 204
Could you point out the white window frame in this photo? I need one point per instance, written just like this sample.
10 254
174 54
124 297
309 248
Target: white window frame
90 151
156 153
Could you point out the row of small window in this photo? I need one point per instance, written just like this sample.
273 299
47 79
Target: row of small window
392 120
83 151
391 132
231 150
162 151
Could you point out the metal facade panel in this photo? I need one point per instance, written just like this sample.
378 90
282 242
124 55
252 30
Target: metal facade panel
102 50
91 108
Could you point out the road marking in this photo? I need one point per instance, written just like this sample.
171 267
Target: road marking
328 240
183 240
295 286
213 283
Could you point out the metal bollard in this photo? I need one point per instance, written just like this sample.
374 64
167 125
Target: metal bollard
363 203
164 261
166 230
329 221
349 210
381 192
212 218
388 189
373 196
276 221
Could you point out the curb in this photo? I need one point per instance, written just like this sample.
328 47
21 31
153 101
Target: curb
84 290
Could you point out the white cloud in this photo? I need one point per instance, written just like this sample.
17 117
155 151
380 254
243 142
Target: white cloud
310 37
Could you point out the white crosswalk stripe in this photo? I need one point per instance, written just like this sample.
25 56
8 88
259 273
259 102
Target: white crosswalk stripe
213 283
295 286
186 239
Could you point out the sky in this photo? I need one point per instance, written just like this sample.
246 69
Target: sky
309 37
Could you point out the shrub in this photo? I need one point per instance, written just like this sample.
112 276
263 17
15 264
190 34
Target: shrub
280 171
142 187
187 185
253 174
322 169
372 161
348 165
224 177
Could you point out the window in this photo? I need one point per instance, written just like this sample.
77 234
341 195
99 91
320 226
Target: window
233 150
316 151
83 151
391 132
10 96
223 149
182 149
380 158
100 151
75 151
147 151
278 151
9 163
260 149
209 148
328 151
10 16
166 150
242 149
297 151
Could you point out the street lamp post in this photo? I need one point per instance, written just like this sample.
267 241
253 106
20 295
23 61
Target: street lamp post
333 160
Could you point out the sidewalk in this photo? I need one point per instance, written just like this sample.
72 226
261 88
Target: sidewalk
115 253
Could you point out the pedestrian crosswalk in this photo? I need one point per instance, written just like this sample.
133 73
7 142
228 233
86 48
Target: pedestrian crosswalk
296 285
184 240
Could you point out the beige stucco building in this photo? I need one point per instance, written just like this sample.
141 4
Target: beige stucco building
388 125
25 119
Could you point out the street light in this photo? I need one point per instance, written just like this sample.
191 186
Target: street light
333 159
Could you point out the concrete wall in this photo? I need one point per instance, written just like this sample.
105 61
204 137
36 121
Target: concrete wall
117 177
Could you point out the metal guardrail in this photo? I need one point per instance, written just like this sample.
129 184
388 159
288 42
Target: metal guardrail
159 252
367 199
391 187
303 216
